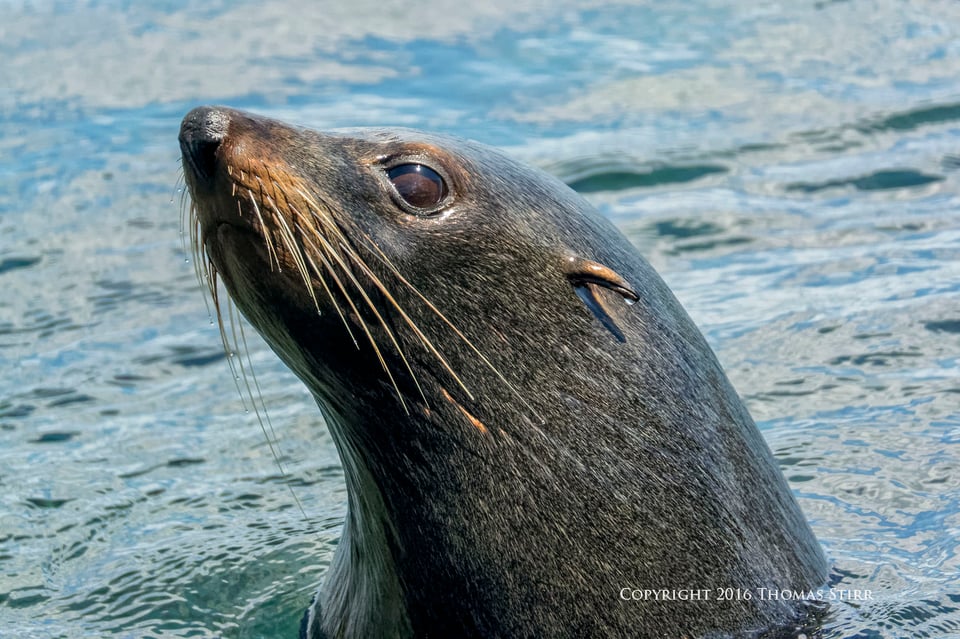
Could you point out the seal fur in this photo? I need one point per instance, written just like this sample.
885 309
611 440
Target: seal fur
528 420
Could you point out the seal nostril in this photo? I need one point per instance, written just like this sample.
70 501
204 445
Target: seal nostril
201 133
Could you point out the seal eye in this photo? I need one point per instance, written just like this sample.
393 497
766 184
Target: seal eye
418 185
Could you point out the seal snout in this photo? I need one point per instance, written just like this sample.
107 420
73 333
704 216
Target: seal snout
201 133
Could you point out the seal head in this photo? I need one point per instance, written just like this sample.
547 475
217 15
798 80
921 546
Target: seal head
529 423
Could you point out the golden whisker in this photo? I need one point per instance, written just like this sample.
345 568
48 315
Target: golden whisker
239 371
344 243
409 321
266 232
416 329
206 272
322 214
323 282
363 324
393 269
287 237
383 323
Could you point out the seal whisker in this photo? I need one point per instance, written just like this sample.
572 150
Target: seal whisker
322 213
366 298
186 214
383 322
267 236
215 299
329 224
232 342
283 229
207 273
323 281
412 324
233 349
230 348
295 250
263 418
333 253
466 340
199 264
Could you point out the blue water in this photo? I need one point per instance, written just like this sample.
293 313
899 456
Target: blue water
792 171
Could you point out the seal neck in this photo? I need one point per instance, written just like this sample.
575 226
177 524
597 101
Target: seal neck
361 596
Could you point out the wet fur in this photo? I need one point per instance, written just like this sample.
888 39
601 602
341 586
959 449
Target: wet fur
601 463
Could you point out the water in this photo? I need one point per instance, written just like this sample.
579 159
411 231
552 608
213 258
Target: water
792 171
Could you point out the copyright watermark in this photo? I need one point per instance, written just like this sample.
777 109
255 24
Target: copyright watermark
666 594
744 594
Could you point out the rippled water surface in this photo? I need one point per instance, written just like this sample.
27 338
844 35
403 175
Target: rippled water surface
791 170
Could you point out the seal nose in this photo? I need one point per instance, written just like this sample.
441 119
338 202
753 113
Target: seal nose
201 132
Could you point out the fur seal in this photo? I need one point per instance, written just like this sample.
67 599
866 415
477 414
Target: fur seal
536 439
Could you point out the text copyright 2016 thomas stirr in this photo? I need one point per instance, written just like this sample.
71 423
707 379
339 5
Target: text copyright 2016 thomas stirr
743 594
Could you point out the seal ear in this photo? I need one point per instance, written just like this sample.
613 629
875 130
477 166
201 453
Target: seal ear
587 278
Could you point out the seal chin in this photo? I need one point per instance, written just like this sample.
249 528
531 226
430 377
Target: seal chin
527 419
